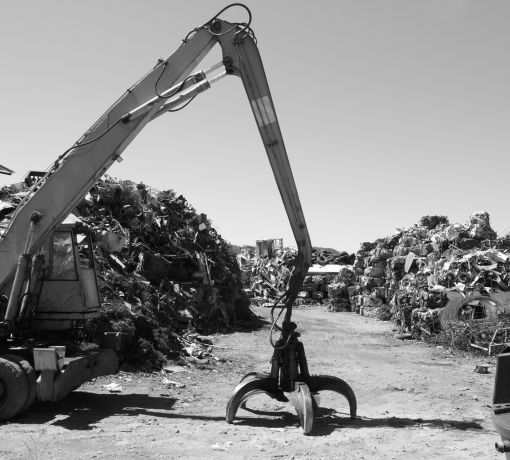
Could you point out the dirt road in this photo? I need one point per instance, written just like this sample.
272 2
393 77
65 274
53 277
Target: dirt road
414 401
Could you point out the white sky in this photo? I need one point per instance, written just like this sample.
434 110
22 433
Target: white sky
390 110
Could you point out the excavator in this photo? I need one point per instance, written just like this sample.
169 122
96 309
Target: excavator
47 269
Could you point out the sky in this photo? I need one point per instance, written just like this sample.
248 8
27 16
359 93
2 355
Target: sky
390 110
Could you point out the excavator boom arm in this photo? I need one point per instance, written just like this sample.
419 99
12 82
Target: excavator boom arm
242 58
78 169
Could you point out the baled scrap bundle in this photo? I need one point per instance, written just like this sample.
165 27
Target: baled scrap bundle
425 309
327 284
339 299
373 276
341 290
346 275
359 263
308 285
427 265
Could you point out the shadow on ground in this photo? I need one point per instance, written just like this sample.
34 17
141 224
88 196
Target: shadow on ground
329 420
84 410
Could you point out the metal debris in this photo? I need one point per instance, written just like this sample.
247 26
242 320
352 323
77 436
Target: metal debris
436 277
113 387
163 270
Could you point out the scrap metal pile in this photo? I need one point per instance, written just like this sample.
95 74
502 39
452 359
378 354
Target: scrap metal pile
434 279
265 278
437 277
162 268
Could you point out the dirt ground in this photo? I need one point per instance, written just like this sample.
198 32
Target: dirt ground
414 401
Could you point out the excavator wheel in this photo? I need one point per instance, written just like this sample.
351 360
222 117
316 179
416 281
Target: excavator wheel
13 389
31 377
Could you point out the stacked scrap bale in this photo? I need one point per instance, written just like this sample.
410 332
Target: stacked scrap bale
370 267
313 287
381 267
342 289
327 283
162 269
426 275
316 287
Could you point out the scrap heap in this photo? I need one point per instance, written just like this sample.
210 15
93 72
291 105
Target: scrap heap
265 277
436 276
162 269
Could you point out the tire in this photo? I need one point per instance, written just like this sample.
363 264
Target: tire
322 260
31 378
13 389
450 313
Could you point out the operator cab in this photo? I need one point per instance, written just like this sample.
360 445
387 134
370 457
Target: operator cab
69 292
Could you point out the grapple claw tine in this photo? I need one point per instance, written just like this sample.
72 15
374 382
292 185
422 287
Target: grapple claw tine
327 382
246 389
255 375
289 371
302 400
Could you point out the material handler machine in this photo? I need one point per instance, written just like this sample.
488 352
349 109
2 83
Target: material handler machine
47 268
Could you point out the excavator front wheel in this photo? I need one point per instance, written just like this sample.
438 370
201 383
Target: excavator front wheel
30 376
13 389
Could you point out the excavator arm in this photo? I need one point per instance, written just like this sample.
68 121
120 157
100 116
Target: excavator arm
170 83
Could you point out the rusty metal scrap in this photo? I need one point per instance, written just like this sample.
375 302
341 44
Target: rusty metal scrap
162 268
412 276
266 277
